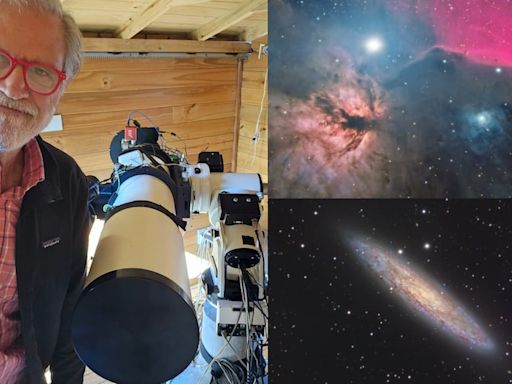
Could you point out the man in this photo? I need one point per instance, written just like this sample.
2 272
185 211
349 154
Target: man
43 197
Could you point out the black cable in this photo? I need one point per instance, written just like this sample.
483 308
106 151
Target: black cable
258 354
247 278
179 138
256 282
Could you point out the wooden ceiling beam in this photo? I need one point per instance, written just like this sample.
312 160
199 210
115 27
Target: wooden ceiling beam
243 11
252 34
91 44
149 14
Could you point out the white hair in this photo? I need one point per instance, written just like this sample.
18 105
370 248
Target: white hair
72 35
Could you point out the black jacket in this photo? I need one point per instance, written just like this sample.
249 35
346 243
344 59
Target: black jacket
51 251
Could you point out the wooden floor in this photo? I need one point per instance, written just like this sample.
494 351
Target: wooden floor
91 378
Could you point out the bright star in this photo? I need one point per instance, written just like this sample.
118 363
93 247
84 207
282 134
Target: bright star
498 70
426 246
482 118
374 45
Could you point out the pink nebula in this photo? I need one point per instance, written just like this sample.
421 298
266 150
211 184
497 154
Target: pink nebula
480 29
329 138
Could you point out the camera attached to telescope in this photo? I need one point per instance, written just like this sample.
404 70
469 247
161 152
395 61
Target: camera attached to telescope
135 321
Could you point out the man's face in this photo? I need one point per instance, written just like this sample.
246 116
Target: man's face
35 37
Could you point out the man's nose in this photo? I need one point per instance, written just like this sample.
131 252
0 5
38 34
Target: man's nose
14 85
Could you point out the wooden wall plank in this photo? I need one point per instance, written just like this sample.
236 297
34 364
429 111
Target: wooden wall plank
128 81
92 64
95 102
81 124
201 112
79 145
253 154
250 114
113 121
195 98
253 96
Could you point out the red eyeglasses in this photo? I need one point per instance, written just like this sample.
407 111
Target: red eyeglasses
40 78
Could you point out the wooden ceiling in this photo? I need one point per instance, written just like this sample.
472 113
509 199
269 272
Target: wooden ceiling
193 20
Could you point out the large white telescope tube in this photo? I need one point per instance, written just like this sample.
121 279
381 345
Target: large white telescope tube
135 321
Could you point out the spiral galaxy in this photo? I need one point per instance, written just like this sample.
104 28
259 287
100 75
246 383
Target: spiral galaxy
422 294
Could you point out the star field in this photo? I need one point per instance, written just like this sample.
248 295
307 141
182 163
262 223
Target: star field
334 321
390 98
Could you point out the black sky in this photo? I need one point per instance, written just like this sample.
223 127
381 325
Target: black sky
333 321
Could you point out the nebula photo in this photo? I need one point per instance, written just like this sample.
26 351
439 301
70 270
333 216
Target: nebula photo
390 98
391 291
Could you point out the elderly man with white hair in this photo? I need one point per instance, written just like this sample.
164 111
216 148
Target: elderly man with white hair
44 222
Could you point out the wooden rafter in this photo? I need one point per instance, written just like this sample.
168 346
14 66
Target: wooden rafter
91 44
243 11
149 14
251 34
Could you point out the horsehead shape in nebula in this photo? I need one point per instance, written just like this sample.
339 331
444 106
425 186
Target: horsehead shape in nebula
426 112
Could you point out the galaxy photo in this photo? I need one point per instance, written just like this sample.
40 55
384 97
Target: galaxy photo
391 291
390 98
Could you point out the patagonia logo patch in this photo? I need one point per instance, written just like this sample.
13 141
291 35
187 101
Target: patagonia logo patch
51 242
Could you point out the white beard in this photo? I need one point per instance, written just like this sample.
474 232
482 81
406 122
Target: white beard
16 129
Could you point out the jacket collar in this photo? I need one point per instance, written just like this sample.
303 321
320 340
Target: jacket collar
48 191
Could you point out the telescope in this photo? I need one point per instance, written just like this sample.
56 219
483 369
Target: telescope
135 321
